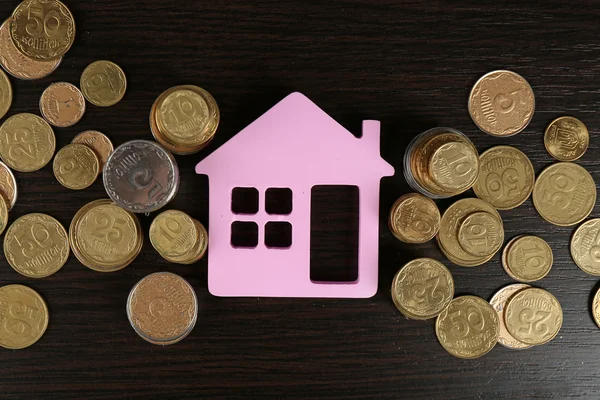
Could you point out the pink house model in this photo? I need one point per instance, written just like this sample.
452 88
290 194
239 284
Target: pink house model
290 149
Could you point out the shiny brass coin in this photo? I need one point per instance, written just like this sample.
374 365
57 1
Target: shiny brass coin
36 245
184 119
3 215
529 258
18 65
27 142
62 104
454 166
414 218
197 252
499 301
506 177
98 142
501 103
76 166
564 194
5 94
566 138
173 233
42 29
585 246
8 186
533 316
596 308
103 83
24 316
468 328
481 234
162 308
422 288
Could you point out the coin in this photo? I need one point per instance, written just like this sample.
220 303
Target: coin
564 194
36 245
501 103
504 258
3 215
481 234
103 83
8 186
533 316
173 233
414 218
5 94
98 142
596 308
566 138
529 258
506 177
27 142
162 308
24 316
141 176
468 328
422 289
76 166
62 104
42 29
18 65
184 119
585 246
499 301
197 252
454 166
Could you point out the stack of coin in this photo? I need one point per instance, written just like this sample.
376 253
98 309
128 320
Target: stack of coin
471 232
414 218
585 247
76 166
440 163
178 238
105 237
527 258
566 138
184 119
24 316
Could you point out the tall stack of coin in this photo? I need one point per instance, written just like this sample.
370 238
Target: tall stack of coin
178 238
440 163
527 258
414 218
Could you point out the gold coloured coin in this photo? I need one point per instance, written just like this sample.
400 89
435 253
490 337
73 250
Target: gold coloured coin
8 186
499 301
564 194
17 64
414 218
197 252
454 166
62 104
36 245
468 328
585 246
24 316
533 316
27 142
173 233
481 234
529 258
422 289
98 142
3 215
501 103
103 83
42 29
506 177
504 257
5 94
566 138
596 308
76 166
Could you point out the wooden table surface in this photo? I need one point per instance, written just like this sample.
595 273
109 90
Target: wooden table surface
409 64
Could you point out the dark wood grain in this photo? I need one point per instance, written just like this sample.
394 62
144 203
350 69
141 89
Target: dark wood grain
410 64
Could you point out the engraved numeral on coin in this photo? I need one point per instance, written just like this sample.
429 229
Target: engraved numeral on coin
172 226
427 292
560 185
422 222
20 144
41 239
505 103
533 321
502 186
142 179
108 228
462 323
534 256
39 23
99 84
456 163
71 167
156 310
182 109
477 235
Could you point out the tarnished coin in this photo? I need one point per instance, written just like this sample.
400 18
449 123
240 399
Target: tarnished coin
481 234
566 138
27 142
36 245
499 301
62 104
454 166
422 289
103 83
506 177
98 142
8 186
585 246
533 316
5 94
564 194
42 29
141 176
76 166
529 258
173 233
162 308
17 64
501 103
414 218
468 328
24 316
596 308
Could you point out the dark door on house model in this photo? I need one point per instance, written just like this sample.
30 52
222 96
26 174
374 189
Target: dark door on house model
334 233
